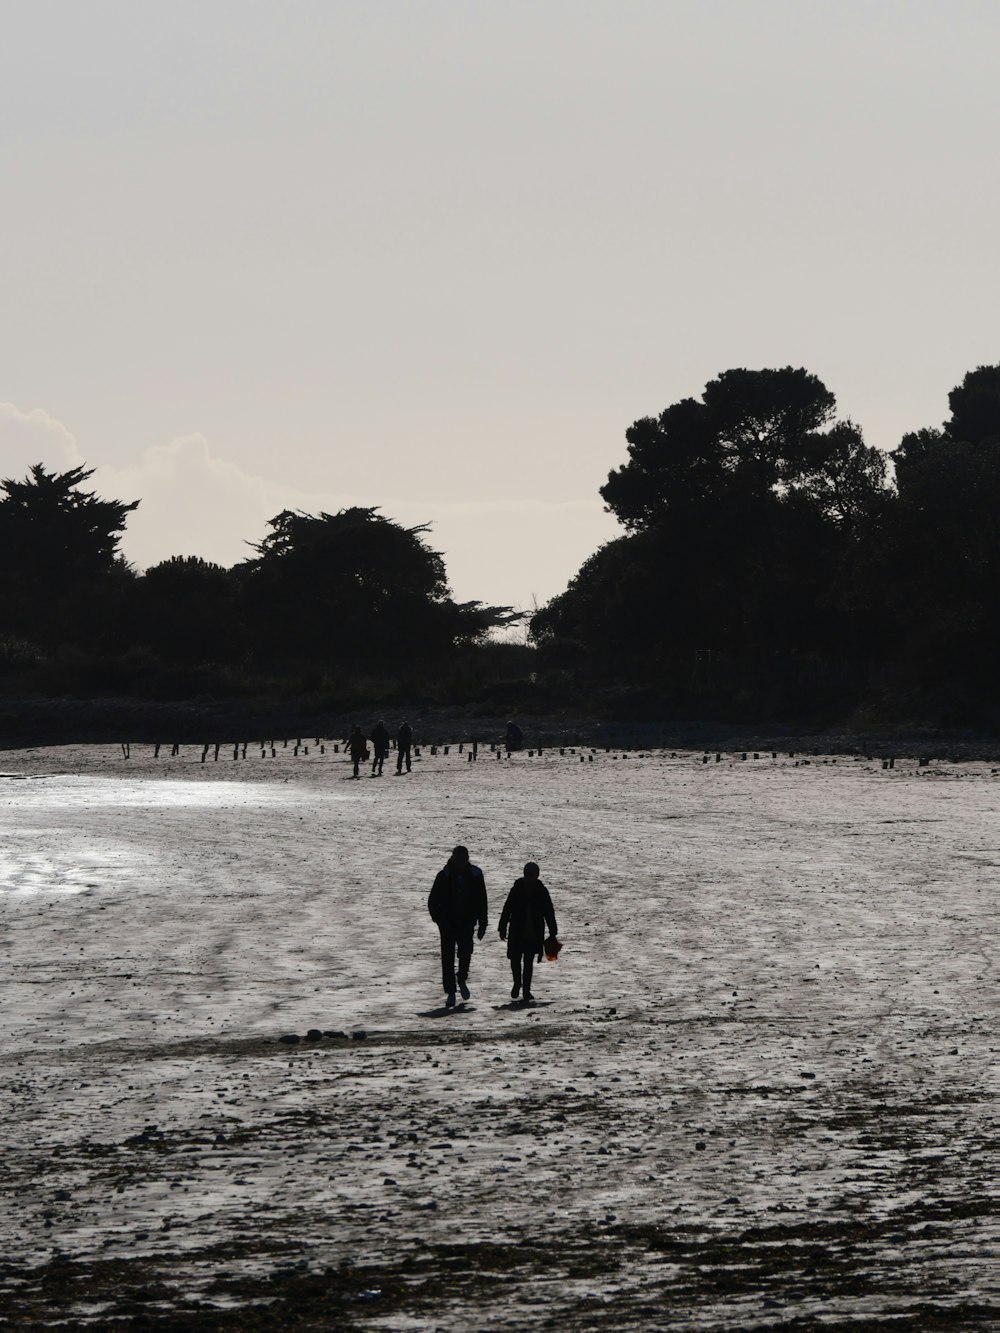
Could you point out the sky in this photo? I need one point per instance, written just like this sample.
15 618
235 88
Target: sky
436 256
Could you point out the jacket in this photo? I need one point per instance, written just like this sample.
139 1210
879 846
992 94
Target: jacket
458 898
526 913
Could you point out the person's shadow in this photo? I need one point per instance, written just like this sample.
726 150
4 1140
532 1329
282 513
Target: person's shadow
445 1012
519 1006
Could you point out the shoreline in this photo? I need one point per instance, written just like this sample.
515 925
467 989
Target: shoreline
34 723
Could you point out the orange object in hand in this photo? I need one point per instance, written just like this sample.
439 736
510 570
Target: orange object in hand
552 947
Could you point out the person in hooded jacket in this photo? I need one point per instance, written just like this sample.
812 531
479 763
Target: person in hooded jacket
457 904
526 913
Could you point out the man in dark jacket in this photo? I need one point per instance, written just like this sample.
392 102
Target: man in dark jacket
404 740
457 904
526 913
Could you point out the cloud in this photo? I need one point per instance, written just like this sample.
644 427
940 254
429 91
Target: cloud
33 437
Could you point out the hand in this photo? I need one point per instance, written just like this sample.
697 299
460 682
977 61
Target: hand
502 934
539 958
482 932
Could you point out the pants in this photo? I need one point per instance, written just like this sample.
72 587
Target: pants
455 938
357 763
403 754
522 968
377 763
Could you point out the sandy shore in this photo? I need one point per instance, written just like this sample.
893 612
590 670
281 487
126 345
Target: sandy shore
757 1091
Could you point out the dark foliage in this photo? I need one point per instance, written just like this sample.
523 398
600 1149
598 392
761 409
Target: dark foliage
770 566
326 602
61 576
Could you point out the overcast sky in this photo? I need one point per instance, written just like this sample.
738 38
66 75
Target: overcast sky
437 256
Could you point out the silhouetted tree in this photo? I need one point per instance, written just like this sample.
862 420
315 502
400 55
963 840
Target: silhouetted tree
752 431
355 587
188 611
975 407
943 559
746 513
59 557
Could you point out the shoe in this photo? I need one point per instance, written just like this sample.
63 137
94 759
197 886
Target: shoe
464 990
449 1000
528 997
515 991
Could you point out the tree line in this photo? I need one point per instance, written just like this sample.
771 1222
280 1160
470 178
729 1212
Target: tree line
323 601
773 565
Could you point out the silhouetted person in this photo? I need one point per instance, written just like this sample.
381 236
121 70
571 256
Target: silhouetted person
380 747
457 904
404 743
514 737
526 913
358 747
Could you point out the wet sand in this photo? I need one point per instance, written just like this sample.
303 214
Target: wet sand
758 1089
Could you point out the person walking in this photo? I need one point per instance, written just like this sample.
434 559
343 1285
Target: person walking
380 747
526 913
358 747
404 743
513 737
457 905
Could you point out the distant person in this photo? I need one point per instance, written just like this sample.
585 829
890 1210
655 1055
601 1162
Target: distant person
457 904
380 747
358 746
514 737
404 743
526 913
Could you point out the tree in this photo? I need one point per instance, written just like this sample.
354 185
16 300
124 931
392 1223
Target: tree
58 546
841 475
355 587
943 558
975 407
187 610
752 431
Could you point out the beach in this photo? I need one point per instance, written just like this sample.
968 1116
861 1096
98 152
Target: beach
757 1089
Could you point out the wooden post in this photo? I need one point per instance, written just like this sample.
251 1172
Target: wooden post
218 747
156 750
